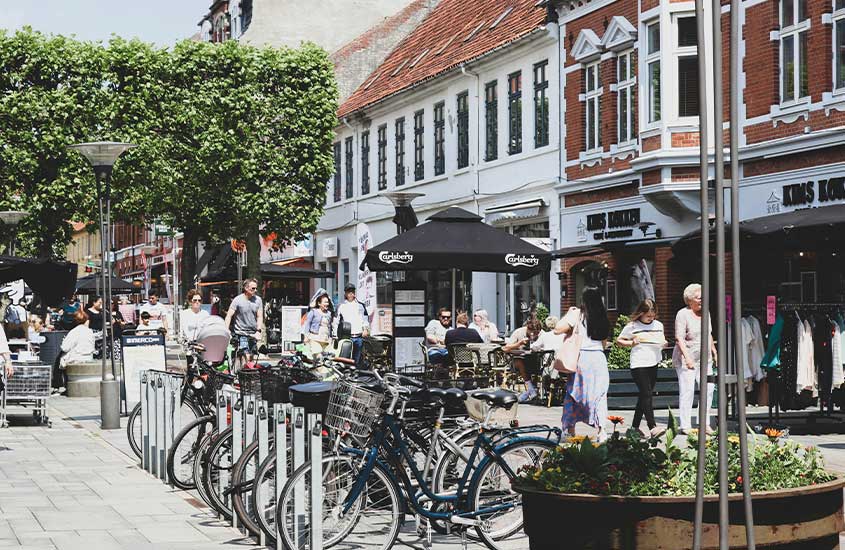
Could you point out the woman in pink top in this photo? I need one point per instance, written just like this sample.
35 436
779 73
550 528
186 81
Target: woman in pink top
686 357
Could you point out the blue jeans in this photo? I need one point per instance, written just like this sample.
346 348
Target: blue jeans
438 356
357 348
247 344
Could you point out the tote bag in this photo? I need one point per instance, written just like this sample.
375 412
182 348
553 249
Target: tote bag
566 358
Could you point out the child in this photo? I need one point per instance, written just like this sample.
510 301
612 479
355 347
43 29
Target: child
145 328
644 335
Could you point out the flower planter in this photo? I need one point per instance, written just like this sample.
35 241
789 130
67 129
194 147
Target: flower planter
804 518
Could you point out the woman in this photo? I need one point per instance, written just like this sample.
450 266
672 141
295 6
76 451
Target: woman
193 317
78 346
317 328
586 389
644 335
34 336
482 324
118 323
686 358
94 311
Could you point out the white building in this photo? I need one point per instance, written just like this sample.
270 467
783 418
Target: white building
464 111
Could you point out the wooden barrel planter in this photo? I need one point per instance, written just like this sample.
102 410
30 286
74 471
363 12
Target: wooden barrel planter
805 518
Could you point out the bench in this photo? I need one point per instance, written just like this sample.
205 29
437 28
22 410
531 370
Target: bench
83 378
622 394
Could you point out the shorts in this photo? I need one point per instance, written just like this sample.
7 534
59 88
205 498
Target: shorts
247 344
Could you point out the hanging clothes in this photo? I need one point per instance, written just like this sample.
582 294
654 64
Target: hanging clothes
822 352
756 349
788 364
838 373
771 359
744 350
806 379
840 321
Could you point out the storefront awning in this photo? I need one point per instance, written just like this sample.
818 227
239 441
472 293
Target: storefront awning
514 211
805 217
609 246
573 251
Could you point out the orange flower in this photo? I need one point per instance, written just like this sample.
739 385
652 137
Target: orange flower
616 419
773 434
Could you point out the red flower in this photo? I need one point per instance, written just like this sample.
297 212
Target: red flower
616 419
739 479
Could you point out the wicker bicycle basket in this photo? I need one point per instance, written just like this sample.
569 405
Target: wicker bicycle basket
275 383
250 382
353 408
215 382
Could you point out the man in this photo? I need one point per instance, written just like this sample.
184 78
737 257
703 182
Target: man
521 340
462 334
435 336
355 313
69 307
247 310
157 311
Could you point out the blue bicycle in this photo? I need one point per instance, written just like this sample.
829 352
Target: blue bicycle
368 493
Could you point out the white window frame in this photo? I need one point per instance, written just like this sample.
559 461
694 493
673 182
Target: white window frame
794 32
592 103
679 52
625 84
837 16
652 58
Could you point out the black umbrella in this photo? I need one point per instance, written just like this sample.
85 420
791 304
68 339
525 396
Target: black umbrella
51 280
457 239
93 283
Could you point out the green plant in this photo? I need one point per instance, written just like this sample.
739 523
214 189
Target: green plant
620 357
541 312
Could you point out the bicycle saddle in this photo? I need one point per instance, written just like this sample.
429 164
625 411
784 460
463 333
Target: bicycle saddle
497 398
447 396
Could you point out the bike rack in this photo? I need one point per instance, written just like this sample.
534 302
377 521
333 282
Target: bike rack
160 414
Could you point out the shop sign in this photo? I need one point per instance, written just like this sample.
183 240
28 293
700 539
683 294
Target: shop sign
330 248
809 192
395 257
522 260
611 225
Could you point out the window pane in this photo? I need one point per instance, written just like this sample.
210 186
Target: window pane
787 13
687 32
788 68
840 52
803 65
839 4
654 38
688 86
591 121
654 91
623 115
589 78
623 68
802 10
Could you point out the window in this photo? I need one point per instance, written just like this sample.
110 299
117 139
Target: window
349 171
592 104
491 122
463 130
365 163
541 105
419 146
624 101
515 113
794 23
346 273
839 44
611 295
687 51
400 151
653 71
337 172
382 157
439 139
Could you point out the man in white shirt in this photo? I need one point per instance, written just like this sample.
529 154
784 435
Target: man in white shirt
157 311
435 336
355 313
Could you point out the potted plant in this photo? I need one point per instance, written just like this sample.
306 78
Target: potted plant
636 493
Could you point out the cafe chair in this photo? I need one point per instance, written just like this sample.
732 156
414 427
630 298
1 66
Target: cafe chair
377 352
465 361
501 368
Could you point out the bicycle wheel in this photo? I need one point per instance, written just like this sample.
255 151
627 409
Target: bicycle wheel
243 483
492 488
188 413
217 472
180 455
200 466
264 499
372 522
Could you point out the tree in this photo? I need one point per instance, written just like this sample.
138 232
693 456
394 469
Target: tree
51 96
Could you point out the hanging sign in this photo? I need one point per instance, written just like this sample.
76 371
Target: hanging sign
771 309
366 291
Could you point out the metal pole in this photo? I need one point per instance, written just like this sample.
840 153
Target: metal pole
454 315
107 314
109 387
737 310
705 273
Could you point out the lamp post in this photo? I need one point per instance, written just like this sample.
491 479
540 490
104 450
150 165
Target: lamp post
102 156
12 218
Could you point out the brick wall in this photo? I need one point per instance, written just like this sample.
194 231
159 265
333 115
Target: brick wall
591 197
794 162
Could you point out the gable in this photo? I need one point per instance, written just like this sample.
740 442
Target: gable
587 46
620 34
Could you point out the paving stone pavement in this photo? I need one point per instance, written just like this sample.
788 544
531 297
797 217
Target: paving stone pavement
74 486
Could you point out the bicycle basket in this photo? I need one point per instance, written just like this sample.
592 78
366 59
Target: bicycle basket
214 382
250 382
276 383
353 408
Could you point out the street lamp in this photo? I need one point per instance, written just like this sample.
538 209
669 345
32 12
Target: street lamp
12 218
405 217
102 156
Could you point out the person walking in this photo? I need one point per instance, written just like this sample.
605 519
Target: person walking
686 357
247 312
191 318
355 313
586 389
644 335
317 327
157 311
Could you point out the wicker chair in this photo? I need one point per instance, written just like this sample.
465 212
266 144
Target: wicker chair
465 361
377 352
501 367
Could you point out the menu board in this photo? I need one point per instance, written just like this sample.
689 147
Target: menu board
408 323
292 324
408 352
140 353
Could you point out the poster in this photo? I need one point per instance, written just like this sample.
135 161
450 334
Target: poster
771 309
292 323
384 321
140 353
408 351
409 296
366 286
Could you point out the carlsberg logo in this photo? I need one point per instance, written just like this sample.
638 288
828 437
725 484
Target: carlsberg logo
520 260
396 257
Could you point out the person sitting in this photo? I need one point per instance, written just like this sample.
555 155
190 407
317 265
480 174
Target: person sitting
462 334
481 323
521 340
36 326
435 337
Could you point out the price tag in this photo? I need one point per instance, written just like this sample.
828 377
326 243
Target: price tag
771 309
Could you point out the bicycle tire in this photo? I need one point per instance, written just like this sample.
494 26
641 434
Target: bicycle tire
517 453
217 472
339 472
199 467
241 499
189 412
186 483
265 512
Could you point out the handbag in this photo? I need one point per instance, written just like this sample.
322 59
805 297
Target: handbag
566 358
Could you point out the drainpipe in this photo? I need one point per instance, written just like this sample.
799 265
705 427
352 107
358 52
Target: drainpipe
477 191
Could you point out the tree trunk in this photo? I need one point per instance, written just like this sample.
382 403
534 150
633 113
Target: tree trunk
253 256
189 260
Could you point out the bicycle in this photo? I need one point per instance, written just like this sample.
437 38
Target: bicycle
371 491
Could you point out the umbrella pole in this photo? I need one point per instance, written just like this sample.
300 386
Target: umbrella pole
454 314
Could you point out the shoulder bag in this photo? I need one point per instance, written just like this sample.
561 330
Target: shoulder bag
566 358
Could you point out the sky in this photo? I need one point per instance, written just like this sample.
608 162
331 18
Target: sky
163 22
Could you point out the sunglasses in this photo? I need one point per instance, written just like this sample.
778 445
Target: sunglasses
445 316
197 301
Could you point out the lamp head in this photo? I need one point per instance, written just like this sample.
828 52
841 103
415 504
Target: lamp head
102 154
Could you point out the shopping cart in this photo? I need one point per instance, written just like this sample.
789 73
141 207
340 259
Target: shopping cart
29 386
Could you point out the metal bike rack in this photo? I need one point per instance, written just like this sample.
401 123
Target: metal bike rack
160 415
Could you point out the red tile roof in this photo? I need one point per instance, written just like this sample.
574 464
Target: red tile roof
443 35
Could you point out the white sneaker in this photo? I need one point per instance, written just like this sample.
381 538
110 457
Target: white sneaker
657 431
